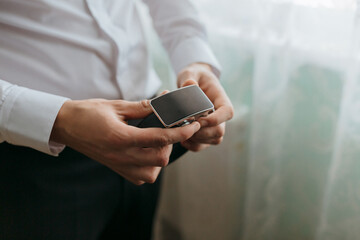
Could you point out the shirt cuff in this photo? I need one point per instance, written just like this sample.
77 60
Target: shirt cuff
193 50
27 117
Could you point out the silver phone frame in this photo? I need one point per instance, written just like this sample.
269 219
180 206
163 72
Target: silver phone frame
187 119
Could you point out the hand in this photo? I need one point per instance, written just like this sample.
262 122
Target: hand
213 126
98 129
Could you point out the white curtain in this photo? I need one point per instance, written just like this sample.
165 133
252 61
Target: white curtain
289 167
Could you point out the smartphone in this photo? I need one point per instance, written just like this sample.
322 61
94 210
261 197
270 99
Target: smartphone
181 106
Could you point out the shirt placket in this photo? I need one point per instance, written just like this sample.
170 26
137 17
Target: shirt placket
112 33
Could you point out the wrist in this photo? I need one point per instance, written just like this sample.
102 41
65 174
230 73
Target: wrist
58 132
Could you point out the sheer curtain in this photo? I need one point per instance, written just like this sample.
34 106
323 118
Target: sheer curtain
289 167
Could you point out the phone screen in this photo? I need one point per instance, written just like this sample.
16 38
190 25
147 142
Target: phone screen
181 103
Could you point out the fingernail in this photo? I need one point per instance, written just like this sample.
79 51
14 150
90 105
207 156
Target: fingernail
197 125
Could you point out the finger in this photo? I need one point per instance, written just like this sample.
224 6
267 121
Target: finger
164 92
215 92
149 174
194 147
133 110
221 115
207 134
125 173
139 175
151 156
158 137
211 141
189 82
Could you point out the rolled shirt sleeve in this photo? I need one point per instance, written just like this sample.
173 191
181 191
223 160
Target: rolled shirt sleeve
27 117
182 33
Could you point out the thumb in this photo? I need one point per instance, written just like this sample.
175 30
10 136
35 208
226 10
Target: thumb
136 110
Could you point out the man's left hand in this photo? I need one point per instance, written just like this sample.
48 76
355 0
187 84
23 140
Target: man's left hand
213 126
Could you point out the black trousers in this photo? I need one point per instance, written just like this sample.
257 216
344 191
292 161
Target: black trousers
69 197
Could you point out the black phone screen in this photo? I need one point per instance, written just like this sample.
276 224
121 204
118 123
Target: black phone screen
181 103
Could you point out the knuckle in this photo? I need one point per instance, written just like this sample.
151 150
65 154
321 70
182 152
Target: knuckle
220 132
152 177
144 103
213 121
138 182
230 111
195 148
217 141
163 160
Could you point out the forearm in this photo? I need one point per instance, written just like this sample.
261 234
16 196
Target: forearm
182 33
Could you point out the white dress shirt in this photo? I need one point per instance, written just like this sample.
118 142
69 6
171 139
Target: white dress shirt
51 51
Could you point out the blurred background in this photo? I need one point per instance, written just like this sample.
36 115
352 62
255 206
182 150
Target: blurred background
289 167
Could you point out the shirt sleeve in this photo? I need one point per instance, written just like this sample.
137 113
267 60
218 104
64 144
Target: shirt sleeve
182 33
27 117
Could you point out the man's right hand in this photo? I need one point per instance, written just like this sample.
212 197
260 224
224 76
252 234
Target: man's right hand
98 129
